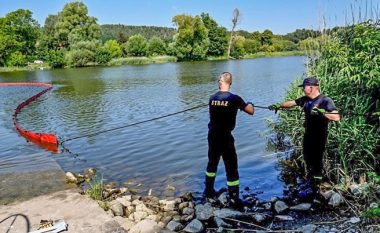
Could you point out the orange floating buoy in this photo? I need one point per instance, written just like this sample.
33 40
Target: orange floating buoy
48 141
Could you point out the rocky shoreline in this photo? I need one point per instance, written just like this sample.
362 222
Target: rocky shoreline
192 213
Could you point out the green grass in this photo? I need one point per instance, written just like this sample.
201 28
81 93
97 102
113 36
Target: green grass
96 189
276 54
30 67
141 60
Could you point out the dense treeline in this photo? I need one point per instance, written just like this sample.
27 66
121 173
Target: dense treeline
121 33
348 67
73 38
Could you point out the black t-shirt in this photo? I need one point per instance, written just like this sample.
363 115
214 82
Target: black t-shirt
316 123
223 108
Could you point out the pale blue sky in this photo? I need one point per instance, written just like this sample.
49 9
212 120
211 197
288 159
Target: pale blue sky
280 16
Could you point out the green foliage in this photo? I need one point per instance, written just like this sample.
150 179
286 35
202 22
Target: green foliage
103 55
74 25
217 36
238 47
348 70
301 34
284 45
18 33
114 48
267 48
56 59
16 59
251 46
156 46
141 60
266 37
121 33
374 177
82 53
136 46
191 41
372 213
96 189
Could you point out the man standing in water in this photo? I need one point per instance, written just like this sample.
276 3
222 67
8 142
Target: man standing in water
223 107
319 110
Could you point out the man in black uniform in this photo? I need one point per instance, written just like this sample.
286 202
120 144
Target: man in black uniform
223 107
319 110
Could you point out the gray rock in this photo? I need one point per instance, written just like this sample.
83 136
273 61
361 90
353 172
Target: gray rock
139 215
327 195
177 218
183 205
223 198
187 218
378 190
267 205
259 217
335 200
353 220
220 223
310 228
284 218
194 226
227 213
188 211
168 205
174 226
301 207
117 208
125 200
204 212
280 206
145 226
374 205
112 226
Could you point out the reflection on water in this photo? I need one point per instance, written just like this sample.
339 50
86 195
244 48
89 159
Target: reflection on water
168 152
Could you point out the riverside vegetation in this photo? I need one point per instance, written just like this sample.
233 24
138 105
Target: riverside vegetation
347 63
72 38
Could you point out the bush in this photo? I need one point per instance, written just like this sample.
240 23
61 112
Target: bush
348 69
103 56
56 59
16 59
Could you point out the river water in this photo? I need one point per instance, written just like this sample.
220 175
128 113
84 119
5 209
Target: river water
160 155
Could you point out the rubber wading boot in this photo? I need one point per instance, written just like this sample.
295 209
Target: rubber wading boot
234 200
209 191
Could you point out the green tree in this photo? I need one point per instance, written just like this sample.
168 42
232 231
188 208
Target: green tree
47 40
136 45
156 46
238 50
74 25
301 34
217 36
18 32
251 46
266 37
103 55
16 59
56 59
82 53
26 30
191 41
284 45
114 48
